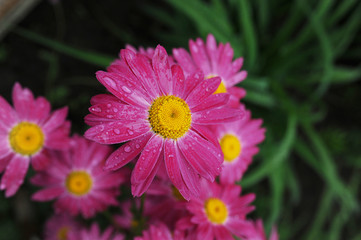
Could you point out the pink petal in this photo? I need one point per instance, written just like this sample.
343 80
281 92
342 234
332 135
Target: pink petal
225 57
124 89
23 100
122 112
237 65
127 152
192 81
58 139
207 134
93 120
212 101
4 161
178 80
185 60
117 132
204 232
237 92
104 98
147 159
42 109
56 119
239 77
142 69
199 55
211 46
48 194
217 116
14 174
7 114
139 188
206 88
202 155
40 161
162 70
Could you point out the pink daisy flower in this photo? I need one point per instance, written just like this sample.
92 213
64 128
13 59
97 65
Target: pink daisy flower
77 181
156 232
256 232
94 233
27 132
214 61
161 116
61 227
238 141
220 212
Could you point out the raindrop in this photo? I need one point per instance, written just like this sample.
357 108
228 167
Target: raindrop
125 89
130 132
115 110
110 82
137 146
96 109
127 149
109 105
116 131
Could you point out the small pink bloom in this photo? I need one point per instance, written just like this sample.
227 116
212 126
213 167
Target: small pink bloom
256 232
220 212
161 116
214 61
77 181
158 231
27 133
61 227
94 233
238 141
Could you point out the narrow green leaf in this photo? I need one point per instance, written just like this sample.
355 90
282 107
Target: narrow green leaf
84 55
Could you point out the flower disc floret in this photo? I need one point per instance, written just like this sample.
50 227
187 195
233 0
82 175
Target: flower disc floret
78 182
26 138
216 210
231 147
170 117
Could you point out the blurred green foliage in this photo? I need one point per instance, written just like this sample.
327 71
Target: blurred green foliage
303 60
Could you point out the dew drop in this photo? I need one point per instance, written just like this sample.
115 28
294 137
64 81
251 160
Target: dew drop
130 132
110 82
96 109
116 131
115 110
109 105
127 149
137 146
125 89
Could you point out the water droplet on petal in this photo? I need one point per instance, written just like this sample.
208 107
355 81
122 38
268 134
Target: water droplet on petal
109 105
127 149
137 146
96 109
130 132
115 110
125 89
116 131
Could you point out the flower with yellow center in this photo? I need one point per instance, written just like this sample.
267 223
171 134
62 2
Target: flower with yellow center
231 147
26 138
78 183
216 210
170 117
62 233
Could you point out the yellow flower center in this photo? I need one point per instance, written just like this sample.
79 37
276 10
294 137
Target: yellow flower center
231 147
216 210
62 233
221 88
78 182
26 138
170 117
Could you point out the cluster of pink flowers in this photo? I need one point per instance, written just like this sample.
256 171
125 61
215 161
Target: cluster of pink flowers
186 141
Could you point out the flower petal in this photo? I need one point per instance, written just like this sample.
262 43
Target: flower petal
127 152
217 115
178 81
23 100
162 70
117 132
48 194
121 112
185 60
199 55
56 119
14 174
7 114
206 88
40 161
201 154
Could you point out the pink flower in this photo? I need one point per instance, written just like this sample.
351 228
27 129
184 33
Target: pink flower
94 234
158 231
214 61
238 142
220 211
161 116
256 232
27 133
77 180
61 227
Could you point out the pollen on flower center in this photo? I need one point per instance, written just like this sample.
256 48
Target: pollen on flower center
26 138
231 147
170 116
216 210
78 182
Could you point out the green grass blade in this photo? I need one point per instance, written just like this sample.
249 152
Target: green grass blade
84 55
